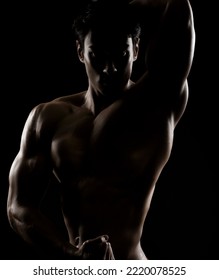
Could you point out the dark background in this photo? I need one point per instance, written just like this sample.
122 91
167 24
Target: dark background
40 64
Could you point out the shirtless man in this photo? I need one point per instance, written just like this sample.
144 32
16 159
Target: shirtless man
107 145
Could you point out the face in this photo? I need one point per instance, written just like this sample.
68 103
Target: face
108 61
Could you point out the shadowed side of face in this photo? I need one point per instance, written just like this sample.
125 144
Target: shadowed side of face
107 44
108 58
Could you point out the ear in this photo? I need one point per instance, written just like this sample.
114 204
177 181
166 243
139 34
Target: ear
80 51
136 48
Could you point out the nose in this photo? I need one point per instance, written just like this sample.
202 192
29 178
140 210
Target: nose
109 68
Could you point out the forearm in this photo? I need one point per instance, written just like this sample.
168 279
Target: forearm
168 29
41 233
153 14
158 4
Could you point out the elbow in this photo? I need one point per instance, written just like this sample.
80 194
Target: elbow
11 209
18 216
181 11
13 215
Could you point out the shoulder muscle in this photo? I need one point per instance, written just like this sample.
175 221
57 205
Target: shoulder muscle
41 124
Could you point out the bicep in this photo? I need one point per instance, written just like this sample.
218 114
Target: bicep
29 172
28 180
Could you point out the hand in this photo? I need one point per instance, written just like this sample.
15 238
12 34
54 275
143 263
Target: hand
96 249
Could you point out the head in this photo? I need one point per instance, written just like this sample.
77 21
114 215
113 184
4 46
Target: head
107 41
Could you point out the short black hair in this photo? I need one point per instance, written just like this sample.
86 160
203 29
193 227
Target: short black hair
106 15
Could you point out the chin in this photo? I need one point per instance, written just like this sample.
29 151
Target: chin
112 93
112 90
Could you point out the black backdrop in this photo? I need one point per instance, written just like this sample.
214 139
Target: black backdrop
40 63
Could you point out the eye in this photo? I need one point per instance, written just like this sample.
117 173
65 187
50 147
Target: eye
92 54
124 53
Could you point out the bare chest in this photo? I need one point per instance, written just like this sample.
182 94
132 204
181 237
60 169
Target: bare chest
111 145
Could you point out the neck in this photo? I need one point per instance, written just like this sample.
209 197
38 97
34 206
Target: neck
97 102
94 103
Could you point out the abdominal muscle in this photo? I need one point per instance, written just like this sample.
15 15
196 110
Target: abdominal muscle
105 209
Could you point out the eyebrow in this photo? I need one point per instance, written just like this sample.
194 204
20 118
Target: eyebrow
94 48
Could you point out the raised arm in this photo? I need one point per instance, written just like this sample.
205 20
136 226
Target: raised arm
171 45
170 29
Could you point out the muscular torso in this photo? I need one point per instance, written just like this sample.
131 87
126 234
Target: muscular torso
108 166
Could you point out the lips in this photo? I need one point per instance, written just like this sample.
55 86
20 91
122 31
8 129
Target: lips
109 81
